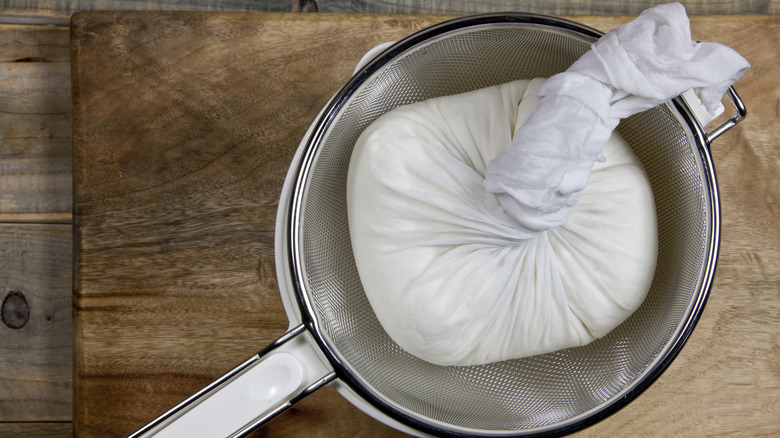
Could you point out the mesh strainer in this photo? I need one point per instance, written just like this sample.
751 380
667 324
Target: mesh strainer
335 337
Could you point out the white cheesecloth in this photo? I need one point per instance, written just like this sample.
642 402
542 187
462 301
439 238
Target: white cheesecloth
629 70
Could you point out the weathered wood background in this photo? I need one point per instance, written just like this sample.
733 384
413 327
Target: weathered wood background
59 11
36 173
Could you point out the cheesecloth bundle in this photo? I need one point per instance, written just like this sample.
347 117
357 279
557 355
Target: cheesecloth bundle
460 275
454 278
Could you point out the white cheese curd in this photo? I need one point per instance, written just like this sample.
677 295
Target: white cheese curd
452 277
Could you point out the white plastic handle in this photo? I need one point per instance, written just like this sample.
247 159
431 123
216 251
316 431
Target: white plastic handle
251 394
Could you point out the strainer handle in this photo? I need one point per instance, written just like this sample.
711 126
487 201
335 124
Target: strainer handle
249 395
733 120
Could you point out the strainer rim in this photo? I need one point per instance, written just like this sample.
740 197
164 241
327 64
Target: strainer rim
341 366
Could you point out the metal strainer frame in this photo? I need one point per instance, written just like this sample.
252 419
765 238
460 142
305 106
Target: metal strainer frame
352 362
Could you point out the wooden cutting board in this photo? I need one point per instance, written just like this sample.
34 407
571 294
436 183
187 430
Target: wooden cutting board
184 127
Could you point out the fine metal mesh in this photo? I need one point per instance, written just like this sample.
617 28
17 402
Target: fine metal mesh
517 395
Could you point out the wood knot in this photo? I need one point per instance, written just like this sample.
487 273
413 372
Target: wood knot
15 311
306 6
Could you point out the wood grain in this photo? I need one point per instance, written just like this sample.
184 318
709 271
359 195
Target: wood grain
20 43
37 430
184 126
554 7
59 11
36 359
35 261
35 125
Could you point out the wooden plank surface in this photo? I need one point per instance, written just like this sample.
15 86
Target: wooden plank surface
184 126
36 351
37 430
60 10
35 260
34 43
35 125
